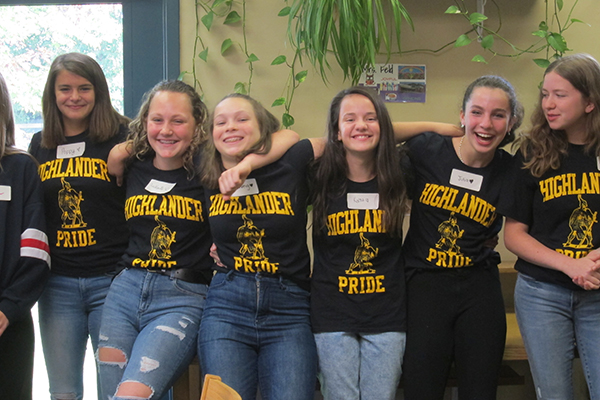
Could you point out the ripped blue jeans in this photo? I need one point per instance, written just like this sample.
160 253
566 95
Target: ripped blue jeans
153 320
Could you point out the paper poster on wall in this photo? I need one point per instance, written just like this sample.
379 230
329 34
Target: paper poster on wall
397 83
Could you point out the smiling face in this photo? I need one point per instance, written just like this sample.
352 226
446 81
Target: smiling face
75 99
487 119
235 129
358 125
171 127
565 107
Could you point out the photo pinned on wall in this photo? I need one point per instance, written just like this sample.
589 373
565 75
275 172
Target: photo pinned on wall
397 83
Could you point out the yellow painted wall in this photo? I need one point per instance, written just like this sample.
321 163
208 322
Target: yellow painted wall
448 73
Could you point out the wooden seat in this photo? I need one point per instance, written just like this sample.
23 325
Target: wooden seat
214 389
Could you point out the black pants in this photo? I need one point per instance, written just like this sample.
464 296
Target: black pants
16 360
454 316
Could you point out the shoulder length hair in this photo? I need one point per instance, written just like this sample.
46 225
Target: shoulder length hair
544 147
138 128
212 165
104 120
331 169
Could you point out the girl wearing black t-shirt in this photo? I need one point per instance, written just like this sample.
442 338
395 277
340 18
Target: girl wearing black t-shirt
455 305
84 213
357 288
553 228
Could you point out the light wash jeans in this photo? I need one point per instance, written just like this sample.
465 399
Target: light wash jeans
553 320
256 331
360 366
153 319
69 311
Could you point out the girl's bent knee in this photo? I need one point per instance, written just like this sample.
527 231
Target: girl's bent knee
110 355
134 390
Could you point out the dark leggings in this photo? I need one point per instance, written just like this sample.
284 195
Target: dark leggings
16 360
454 316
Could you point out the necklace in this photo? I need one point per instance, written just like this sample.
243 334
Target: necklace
459 150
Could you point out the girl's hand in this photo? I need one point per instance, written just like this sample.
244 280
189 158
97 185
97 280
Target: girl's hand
231 179
586 271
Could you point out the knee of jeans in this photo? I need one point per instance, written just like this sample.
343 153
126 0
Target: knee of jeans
63 396
134 390
111 355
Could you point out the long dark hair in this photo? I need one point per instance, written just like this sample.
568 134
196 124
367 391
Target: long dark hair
331 169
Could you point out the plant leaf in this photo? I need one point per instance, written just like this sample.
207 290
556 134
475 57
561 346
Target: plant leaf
540 33
487 42
301 76
559 3
278 102
240 87
203 55
542 62
207 20
476 18
462 40
181 75
252 58
543 26
479 58
225 45
217 3
287 120
557 42
232 18
452 10
285 11
279 60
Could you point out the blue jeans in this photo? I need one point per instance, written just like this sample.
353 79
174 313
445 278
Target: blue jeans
70 310
153 320
553 320
256 332
360 366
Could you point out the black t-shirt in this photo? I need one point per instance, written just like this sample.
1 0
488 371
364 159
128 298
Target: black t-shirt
84 206
358 281
455 207
264 229
166 220
561 210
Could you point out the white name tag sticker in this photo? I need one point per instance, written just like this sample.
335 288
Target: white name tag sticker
598 163
466 180
5 193
70 150
363 201
159 187
248 187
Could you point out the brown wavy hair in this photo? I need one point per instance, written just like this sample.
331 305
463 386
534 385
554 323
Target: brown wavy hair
138 128
331 169
104 120
544 147
212 165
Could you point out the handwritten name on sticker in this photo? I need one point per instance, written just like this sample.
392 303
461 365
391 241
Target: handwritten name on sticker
466 180
5 193
71 150
248 187
159 187
363 201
